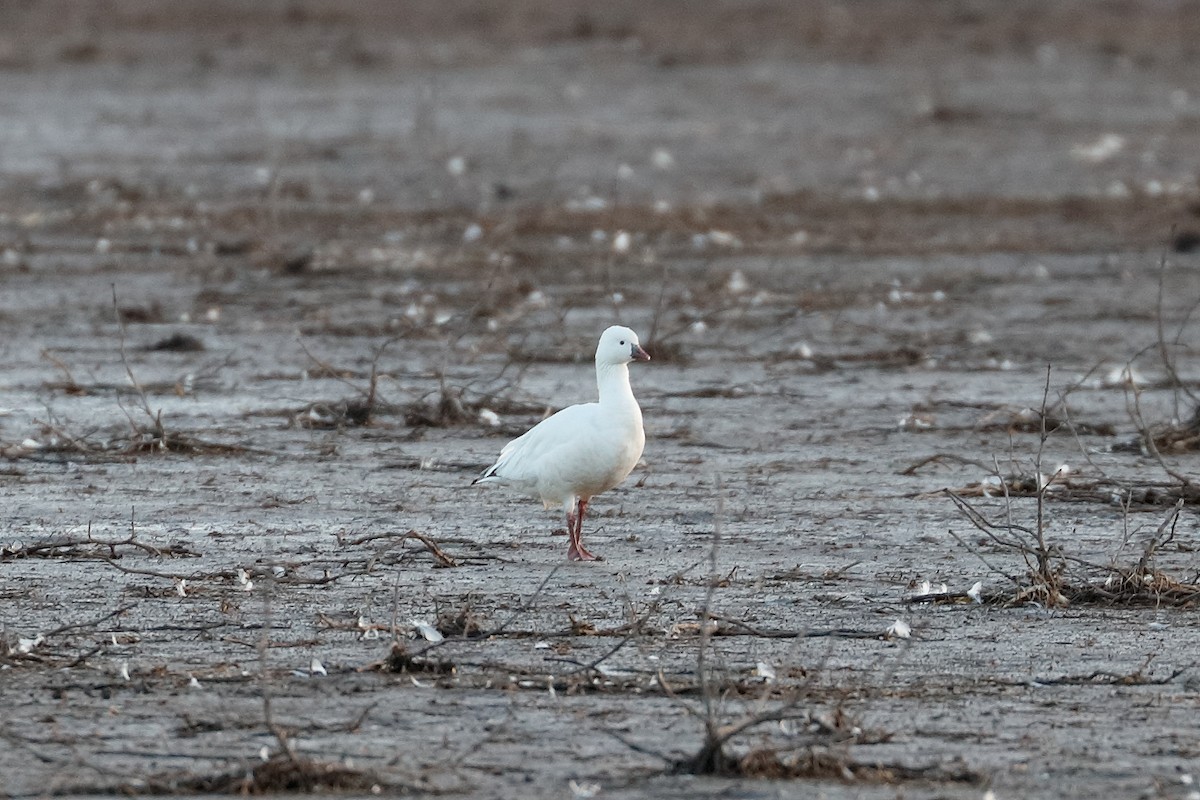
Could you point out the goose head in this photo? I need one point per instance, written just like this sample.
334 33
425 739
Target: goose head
619 345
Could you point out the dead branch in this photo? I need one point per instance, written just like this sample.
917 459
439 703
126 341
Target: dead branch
1146 495
938 458
1164 354
1157 540
741 628
156 419
1105 677
70 547
438 554
90 623
712 757
264 678
419 656
635 629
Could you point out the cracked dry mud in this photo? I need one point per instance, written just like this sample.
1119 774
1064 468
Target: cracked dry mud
353 251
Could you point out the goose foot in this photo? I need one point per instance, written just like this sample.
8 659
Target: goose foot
577 552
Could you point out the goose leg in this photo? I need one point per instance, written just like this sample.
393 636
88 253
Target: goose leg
577 552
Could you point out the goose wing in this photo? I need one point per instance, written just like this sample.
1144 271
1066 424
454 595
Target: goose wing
521 458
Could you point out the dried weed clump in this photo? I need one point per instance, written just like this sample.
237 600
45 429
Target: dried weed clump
445 406
400 660
146 433
821 763
1053 576
355 412
1178 438
816 744
279 773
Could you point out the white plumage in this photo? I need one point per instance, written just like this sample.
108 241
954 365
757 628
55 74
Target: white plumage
582 450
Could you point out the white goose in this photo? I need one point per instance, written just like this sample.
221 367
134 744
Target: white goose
582 450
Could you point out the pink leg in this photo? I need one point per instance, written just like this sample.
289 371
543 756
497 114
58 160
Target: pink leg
577 552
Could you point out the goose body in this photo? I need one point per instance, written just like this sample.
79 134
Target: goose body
583 450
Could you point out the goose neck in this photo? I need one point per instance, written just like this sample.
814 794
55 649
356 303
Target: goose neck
612 380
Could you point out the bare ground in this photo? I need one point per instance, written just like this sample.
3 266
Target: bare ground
276 283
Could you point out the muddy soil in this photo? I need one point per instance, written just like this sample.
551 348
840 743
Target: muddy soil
276 283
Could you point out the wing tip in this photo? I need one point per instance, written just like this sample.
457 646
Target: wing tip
488 476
